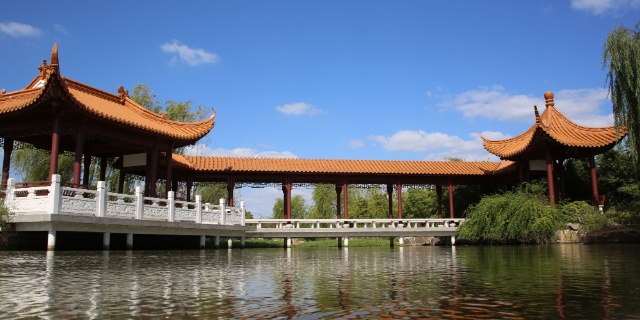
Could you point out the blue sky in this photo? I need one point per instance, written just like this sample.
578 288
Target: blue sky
412 80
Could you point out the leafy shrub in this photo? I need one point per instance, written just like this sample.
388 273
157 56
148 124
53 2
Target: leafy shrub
512 217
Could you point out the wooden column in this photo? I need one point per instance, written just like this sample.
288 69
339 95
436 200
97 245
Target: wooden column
174 186
561 173
288 197
121 181
168 181
390 196
6 162
87 169
189 186
345 195
550 180
77 164
439 192
450 186
103 168
231 183
521 173
153 174
338 202
55 144
594 181
399 188
527 171
284 200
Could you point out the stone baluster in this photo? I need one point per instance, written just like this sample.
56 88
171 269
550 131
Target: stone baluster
11 189
198 208
172 206
139 203
101 198
223 212
55 193
242 213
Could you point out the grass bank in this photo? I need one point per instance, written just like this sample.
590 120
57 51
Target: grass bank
317 243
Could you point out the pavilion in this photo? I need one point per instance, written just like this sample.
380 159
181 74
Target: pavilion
57 114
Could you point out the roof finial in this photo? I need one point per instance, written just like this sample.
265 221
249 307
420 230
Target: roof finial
122 93
548 96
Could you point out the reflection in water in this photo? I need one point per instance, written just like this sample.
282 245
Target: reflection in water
559 281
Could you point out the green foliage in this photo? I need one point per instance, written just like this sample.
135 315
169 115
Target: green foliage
353 242
4 214
324 202
144 96
420 203
512 217
299 209
211 192
621 56
33 164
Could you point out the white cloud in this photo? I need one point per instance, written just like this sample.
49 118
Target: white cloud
18 30
579 105
602 6
444 145
357 143
60 28
191 56
299 108
202 150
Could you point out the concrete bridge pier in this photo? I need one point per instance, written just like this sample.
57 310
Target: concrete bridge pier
287 242
129 241
241 242
51 240
216 242
391 244
453 240
106 240
346 242
401 241
340 240
202 242
229 243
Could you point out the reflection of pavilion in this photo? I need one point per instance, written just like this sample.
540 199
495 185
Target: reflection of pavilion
59 115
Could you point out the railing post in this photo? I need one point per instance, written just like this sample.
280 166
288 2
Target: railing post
54 195
139 203
242 212
102 198
223 212
172 206
198 209
11 188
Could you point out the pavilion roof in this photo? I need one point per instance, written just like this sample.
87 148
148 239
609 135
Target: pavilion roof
339 166
557 127
115 107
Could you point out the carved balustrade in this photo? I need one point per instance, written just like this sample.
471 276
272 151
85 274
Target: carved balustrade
57 198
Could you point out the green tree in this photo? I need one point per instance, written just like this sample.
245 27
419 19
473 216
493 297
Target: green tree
324 202
420 203
299 208
621 57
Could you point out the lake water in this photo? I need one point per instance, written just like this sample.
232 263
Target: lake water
555 281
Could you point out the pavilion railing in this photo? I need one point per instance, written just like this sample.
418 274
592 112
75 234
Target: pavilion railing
56 198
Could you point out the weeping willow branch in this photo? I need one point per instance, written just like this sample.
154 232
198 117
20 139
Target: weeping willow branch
621 57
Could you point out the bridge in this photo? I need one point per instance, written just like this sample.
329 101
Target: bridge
343 229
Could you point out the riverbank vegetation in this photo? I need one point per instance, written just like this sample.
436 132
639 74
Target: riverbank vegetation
310 243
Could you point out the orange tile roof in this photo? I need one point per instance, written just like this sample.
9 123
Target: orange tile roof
105 105
338 166
558 127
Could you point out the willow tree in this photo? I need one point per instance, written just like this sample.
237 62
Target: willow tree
622 59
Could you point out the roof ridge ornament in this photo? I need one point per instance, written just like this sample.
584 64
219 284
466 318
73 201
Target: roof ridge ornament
122 94
535 110
3 91
548 96
54 65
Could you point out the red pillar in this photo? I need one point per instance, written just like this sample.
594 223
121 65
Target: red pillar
121 181
103 168
153 174
399 188
6 163
390 196
77 165
550 180
288 196
87 170
189 186
338 202
450 199
439 192
55 144
231 184
345 187
594 181
168 181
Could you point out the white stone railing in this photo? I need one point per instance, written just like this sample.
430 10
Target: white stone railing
355 223
57 199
